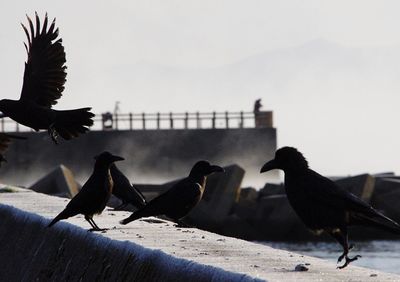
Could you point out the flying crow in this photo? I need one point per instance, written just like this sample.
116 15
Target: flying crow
44 79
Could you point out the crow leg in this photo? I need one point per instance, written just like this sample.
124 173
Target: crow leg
53 133
95 227
342 238
88 219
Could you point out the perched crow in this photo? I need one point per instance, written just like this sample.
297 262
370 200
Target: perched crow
44 79
5 140
178 201
321 204
95 193
125 191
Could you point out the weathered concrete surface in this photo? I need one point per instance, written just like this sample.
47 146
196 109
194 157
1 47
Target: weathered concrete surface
105 258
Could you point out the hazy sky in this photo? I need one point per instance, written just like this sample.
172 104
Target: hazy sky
328 69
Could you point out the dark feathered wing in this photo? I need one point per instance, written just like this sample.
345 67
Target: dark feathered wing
45 70
329 193
175 203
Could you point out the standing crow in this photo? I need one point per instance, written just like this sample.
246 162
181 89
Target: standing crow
124 190
321 204
44 79
95 193
178 201
5 140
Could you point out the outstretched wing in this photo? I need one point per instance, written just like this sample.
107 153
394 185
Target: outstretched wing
45 70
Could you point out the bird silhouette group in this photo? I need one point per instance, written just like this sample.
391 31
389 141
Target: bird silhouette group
319 202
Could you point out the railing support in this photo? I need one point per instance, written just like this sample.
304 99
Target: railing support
213 120
171 121
116 121
198 120
186 120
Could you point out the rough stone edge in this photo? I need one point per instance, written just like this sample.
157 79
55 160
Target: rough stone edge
103 257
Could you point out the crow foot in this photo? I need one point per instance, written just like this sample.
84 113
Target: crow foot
348 261
345 253
98 229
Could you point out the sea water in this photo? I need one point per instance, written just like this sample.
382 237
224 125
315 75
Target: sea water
381 255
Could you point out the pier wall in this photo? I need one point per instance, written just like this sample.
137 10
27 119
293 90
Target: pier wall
151 156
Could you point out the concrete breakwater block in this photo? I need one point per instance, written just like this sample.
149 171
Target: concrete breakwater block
276 219
59 182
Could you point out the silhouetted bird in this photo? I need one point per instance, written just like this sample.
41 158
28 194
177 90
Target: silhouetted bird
178 201
321 204
5 140
44 79
95 193
125 191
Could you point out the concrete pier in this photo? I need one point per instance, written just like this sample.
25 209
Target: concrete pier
149 249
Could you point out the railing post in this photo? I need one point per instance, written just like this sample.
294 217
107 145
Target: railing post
213 120
144 120
171 121
186 120
226 120
158 120
198 120
130 121
2 124
116 121
241 124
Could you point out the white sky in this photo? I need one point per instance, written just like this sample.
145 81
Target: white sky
194 55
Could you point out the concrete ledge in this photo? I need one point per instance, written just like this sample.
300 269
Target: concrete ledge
32 252
141 251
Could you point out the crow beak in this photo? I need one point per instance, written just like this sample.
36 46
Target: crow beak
269 166
216 168
116 158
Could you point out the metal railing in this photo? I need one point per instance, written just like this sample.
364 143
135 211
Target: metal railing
187 120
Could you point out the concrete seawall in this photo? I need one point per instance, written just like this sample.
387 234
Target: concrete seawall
32 252
145 250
